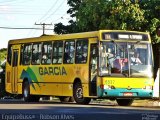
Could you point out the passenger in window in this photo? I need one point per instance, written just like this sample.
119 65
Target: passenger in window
26 58
84 58
44 58
111 57
34 56
55 60
66 57
94 63
135 60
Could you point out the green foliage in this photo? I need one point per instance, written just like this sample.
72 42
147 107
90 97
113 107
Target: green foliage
139 15
72 27
64 29
152 17
74 7
3 53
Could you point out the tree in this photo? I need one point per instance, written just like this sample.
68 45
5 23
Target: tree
74 7
139 15
64 29
110 14
72 27
152 17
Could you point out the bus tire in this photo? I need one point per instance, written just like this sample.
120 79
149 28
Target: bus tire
124 102
78 94
26 92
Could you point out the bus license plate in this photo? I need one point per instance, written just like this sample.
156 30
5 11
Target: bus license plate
128 94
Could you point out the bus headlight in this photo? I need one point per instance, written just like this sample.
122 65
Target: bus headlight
109 87
148 87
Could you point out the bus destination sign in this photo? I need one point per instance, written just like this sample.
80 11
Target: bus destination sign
134 37
124 36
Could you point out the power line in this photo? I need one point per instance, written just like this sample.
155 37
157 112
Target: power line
55 10
59 18
46 13
23 28
54 4
14 2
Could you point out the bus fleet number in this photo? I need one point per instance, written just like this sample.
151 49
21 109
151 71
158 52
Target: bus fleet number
110 82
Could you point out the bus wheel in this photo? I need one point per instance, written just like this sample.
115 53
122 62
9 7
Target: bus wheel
124 102
26 92
78 94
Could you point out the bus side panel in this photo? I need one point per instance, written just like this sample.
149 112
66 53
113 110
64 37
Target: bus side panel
30 74
35 89
75 72
20 81
72 72
51 79
8 78
67 89
20 88
85 90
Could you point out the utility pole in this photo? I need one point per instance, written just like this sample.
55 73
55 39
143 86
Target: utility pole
43 25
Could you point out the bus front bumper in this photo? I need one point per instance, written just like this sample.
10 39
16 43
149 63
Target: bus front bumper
120 93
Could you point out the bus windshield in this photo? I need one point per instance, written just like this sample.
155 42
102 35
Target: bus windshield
125 59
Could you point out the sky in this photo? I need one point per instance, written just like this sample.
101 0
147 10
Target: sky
25 13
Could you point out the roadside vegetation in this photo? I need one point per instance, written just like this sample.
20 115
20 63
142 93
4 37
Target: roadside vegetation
3 53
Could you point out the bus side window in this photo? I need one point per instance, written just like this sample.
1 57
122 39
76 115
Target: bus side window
9 55
57 52
36 53
81 51
46 53
69 52
21 54
26 54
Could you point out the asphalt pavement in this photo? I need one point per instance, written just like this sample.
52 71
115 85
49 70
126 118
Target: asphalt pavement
49 110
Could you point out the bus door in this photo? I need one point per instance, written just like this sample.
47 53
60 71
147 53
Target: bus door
14 78
93 70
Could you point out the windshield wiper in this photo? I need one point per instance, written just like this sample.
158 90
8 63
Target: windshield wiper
138 42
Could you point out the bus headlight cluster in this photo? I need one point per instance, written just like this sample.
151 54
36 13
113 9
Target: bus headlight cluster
148 87
109 87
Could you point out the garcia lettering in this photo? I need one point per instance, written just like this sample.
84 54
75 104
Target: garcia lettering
52 71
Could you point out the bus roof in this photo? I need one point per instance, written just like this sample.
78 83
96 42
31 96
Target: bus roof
42 38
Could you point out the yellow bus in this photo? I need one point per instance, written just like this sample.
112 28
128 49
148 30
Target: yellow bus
109 64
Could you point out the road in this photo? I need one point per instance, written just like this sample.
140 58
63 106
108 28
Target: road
45 110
